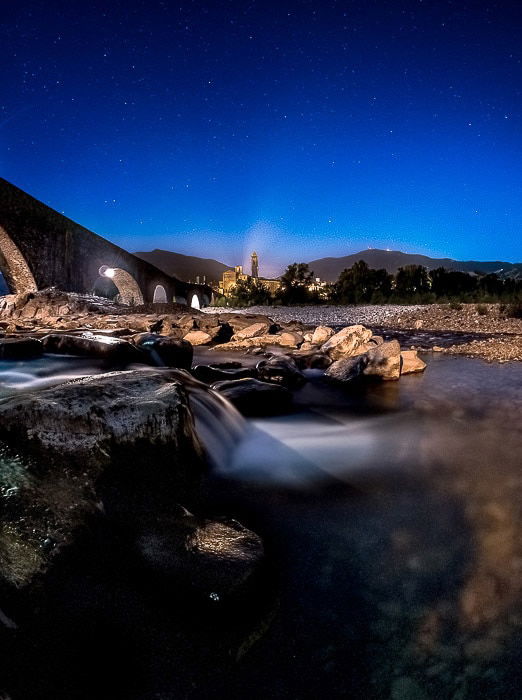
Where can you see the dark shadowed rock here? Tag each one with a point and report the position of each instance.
(20, 348)
(211, 373)
(384, 361)
(254, 398)
(281, 369)
(114, 350)
(311, 359)
(165, 351)
(347, 368)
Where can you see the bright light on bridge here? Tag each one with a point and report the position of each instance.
(110, 272)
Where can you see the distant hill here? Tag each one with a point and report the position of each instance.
(184, 267)
(329, 269)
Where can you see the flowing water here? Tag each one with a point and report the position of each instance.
(392, 515)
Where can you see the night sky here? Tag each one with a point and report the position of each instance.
(301, 129)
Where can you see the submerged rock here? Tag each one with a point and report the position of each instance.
(281, 369)
(213, 557)
(252, 397)
(20, 348)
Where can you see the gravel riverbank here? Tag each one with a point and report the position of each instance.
(493, 336)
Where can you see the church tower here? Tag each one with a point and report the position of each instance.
(255, 265)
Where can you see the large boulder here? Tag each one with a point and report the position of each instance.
(113, 350)
(346, 342)
(254, 398)
(411, 362)
(281, 369)
(20, 348)
(67, 441)
(384, 361)
(90, 421)
(380, 362)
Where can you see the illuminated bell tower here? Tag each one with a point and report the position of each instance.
(255, 264)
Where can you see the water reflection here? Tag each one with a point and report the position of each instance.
(396, 517)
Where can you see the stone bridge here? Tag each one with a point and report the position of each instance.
(40, 248)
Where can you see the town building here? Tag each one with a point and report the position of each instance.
(232, 276)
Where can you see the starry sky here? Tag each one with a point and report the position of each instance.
(301, 129)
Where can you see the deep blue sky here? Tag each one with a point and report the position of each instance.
(302, 129)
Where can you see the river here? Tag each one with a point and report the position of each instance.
(392, 518)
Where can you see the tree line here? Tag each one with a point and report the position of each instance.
(360, 284)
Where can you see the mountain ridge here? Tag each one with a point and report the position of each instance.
(329, 268)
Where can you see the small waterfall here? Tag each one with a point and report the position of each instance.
(219, 425)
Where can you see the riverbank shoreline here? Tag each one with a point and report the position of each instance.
(479, 330)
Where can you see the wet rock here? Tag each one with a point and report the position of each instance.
(20, 348)
(211, 373)
(411, 362)
(215, 558)
(69, 439)
(252, 397)
(321, 335)
(347, 368)
(384, 361)
(165, 351)
(311, 358)
(346, 341)
(256, 329)
(198, 338)
(281, 369)
(114, 350)
(91, 420)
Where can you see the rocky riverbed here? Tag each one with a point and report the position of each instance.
(115, 424)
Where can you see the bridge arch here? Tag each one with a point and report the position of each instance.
(14, 267)
(160, 295)
(194, 300)
(129, 291)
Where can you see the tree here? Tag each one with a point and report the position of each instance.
(294, 284)
(250, 292)
(360, 284)
(411, 280)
